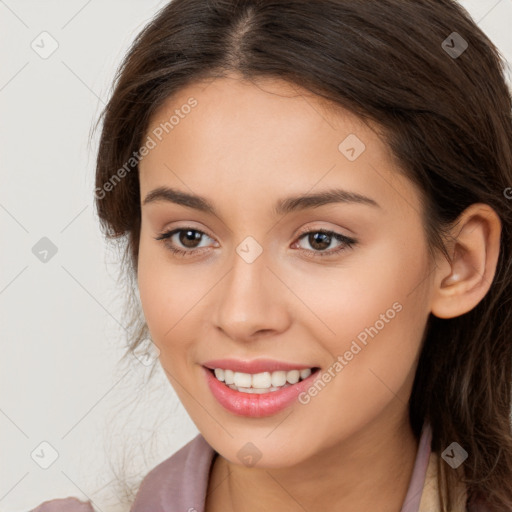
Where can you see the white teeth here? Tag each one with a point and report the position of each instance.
(304, 374)
(256, 391)
(242, 380)
(278, 378)
(293, 376)
(228, 376)
(260, 382)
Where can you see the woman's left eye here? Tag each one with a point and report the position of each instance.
(319, 238)
(323, 238)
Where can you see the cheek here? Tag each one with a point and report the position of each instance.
(171, 296)
(151, 289)
(159, 292)
(373, 317)
(373, 372)
(367, 290)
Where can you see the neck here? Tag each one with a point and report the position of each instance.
(369, 471)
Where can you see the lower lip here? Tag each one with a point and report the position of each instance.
(253, 405)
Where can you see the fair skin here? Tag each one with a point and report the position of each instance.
(243, 148)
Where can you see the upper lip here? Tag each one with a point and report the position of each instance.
(255, 366)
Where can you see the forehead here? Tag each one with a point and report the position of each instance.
(266, 135)
(263, 104)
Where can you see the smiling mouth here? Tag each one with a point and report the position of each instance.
(260, 383)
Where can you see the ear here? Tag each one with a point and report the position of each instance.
(460, 284)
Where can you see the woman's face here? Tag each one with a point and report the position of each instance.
(252, 286)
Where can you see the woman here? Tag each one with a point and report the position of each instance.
(315, 201)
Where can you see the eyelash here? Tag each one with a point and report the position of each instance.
(347, 242)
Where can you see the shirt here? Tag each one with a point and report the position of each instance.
(180, 483)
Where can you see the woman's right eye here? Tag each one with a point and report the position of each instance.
(188, 236)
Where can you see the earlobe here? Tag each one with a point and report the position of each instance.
(461, 283)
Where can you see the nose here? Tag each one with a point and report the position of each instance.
(252, 301)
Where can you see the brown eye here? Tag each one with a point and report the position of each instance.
(320, 239)
(188, 238)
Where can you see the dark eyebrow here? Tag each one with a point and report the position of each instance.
(302, 202)
(282, 207)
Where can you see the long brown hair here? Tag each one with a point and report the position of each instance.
(445, 111)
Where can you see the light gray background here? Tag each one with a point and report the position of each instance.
(61, 327)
